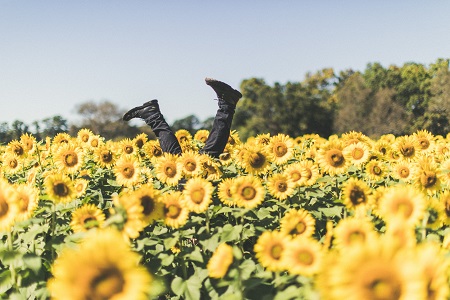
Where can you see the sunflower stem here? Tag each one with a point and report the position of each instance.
(11, 267)
(52, 230)
(424, 226)
(207, 221)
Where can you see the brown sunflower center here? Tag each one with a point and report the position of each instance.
(13, 163)
(428, 179)
(107, 284)
(85, 138)
(148, 203)
(128, 149)
(281, 186)
(407, 150)
(198, 195)
(276, 251)
(424, 143)
(280, 149)
(139, 143)
(296, 176)
(256, 160)
(157, 151)
(248, 193)
(170, 171)
(335, 158)
(356, 236)
(60, 189)
(384, 288)
(299, 228)
(173, 211)
(4, 208)
(190, 166)
(18, 150)
(89, 222)
(305, 257)
(70, 159)
(128, 171)
(23, 203)
(357, 196)
(403, 172)
(106, 156)
(357, 153)
(308, 173)
(94, 143)
(376, 170)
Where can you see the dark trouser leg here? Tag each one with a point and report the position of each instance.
(218, 137)
(167, 139)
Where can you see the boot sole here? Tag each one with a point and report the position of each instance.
(129, 114)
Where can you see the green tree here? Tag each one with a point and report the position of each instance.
(190, 123)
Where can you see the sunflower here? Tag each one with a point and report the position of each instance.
(298, 223)
(399, 235)
(149, 198)
(428, 176)
(280, 186)
(310, 172)
(220, 261)
(295, 173)
(175, 213)
(331, 159)
(248, 191)
(403, 171)
(84, 135)
(375, 170)
(356, 194)
(129, 213)
(356, 153)
(436, 214)
(262, 139)
(224, 191)
(183, 136)
(86, 217)
(29, 143)
(59, 188)
(430, 259)
(424, 140)
(95, 141)
(8, 207)
(442, 149)
(270, 249)
(127, 147)
(61, 138)
(226, 157)
(402, 202)
(127, 171)
(406, 146)
(80, 185)
(69, 158)
(369, 271)
(233, 139)
(280, 148)
(104, 156)
(106, 268)
(152, 149)
(255, 160)
(353, 231)
(11, 164)
(168, 169)
(26, 197)
(17, 149)
(444, 198)
(211, 170)
(303, 256)
(201, 135)
(383, 147)
(191, 163)
(140, 140)
(353, 137)
(445, 172)
(197, 194)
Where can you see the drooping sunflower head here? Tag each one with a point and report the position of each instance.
(150, 199)
(197, 194)
(280, 148)
(87, 217)
(331, 159)
(128, 211)
(428, 175)
(444, 198)
(59, 188)
(106, 268)
(140, 140)
(262, 139)
(168, 169)
(248, 191)
(280, 186)
(406, 146)
(17, 149)
(69, 158)
(356, 194)
(233, 139)
(127, 171)
(29, 143)
(270, 248)
(220, 261)
(298, 223)
(436, 214)
(175, 213)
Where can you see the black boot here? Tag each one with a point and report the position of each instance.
(224, 91)
(143, 111)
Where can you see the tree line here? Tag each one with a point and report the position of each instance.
(376, 101)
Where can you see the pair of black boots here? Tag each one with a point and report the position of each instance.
(148, 109)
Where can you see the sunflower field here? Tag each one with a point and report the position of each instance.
(275, 217)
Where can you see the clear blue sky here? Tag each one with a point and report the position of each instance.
(56, 54)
